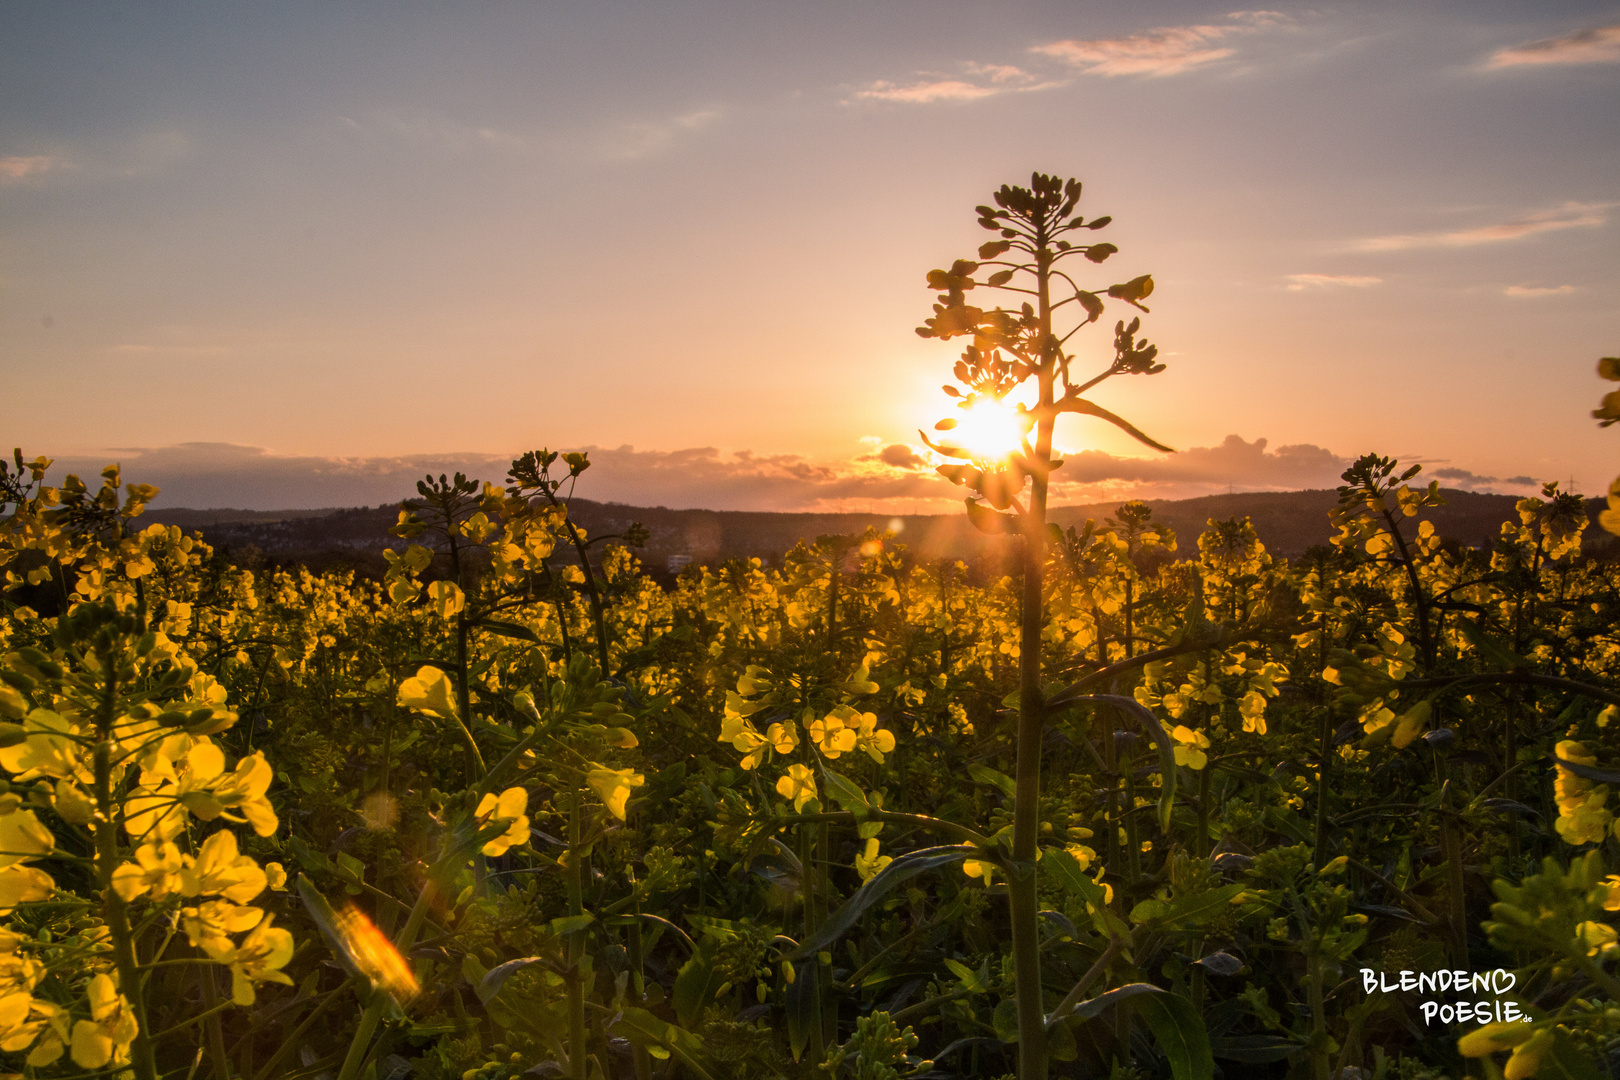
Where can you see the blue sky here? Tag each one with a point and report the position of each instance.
(294, 254)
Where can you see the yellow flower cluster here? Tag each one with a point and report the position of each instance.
(1583, 817)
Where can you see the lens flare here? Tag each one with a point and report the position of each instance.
(373, 955)
(991, 429)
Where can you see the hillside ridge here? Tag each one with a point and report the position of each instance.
(1287, 522)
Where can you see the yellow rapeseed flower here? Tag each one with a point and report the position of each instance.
(613, 786)
(511, 805)
(799, 785)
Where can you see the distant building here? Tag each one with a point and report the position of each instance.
(677, 563)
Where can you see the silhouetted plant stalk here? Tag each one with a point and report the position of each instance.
(1009, 349)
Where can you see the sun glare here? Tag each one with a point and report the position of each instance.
(374, 955)
(990, 429)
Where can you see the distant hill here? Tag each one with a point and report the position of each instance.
(1287, 522)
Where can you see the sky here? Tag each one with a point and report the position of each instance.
(297, 254)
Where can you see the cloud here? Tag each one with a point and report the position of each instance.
(902, 456)
(428, 131)
(921, 93)
(1166, 50)
(1537, 290)
(1597, 45)
(974, 82)
(632, 140)
(1463, 478)
(226, 475)
(24, 168)
(127, 156)
(1571, 215)
(897, 479)
(1300, 282)
(1235, 462)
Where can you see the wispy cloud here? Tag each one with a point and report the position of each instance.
(1537, 290)
(631, 140)
(1301, 282)
(25, 168)
(430, 131)
(975, 81)
(1571, 215)
(1596, 45)
(1166, 50)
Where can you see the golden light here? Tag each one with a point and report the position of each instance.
(990, 429)
(374, 955)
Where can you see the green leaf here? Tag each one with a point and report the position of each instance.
(325, 919)
(1161, 740)
(1490, 647)
(490, 984)
(1098, 252)
(310, 859)
(1000, 277)
(1567, 1061)
(564, 925)
(647, 1031)
(902, 869)
(695, 985)
(1005, 1020)
(1093, 1008)
(350, 869)
(1185, 912)
(1220, 963)
(970, 979)
(1081, 405)
(1065, 870)
(800, 1005)
(984, 774)
(1181, 1035)
(846, 793)
(510, 629)
(1060, 1043)
(1255, 1049)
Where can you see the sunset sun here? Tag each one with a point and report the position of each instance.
(991, 429)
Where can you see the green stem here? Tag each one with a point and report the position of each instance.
(1324, 757)
(210, 1018)
(807, 883)
(1022, 901)
(1456, 902)
(1321, 1054)
(360, 1046)
(115, 910)
(1204, 795)
(576, 947)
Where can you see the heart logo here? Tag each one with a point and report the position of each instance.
(1496, 979)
